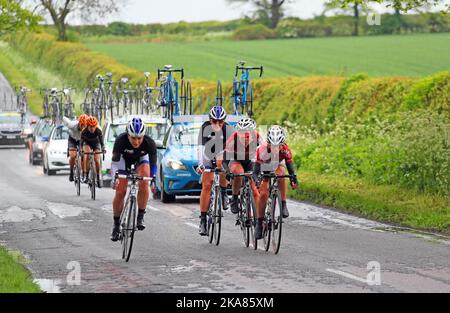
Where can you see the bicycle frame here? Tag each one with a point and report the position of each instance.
(241, 87)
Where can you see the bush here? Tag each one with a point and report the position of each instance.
(253, 32)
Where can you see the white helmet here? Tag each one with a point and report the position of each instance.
(276, 135)
(136, 127)
(246, 125)
(218, 113)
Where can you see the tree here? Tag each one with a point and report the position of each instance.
(354, 6)
(269, 9)
(14, 17)
(402, 5)
(60, 10)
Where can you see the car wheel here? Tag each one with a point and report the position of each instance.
(44, 169)
(165, 197)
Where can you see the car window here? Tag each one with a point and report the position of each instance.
(10, 119)
(156, 131)
(60, 134)
(115, 131)
(45, 130)
(184, 135)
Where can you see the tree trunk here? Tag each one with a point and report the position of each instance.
(356, 16)
(62, 27)
(275, 14)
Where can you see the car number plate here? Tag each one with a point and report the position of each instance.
(10, 137)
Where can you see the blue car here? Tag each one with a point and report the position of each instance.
(178, 159)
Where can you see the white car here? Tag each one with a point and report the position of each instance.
(156, 129)
(55, 151)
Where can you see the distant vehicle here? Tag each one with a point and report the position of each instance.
(178, 158)
(55, 151)
(36, 143)
(156, 129)
(13, 129)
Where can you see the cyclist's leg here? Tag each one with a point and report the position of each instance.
(205, 196)
(236, 168)
(86, 149)
(72, 147)
(97, 149)
(282, 186)
(121, 190)
(143, 169)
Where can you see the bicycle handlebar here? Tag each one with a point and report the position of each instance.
(249, 68)
(133, 177)
(160, 71)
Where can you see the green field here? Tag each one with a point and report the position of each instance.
(408, 55)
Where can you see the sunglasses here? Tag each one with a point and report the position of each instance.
(217, 121)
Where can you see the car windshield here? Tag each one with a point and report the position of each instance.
(10, 119)
(61, 134)
(184, 135)
(155, 131)
(45, 130)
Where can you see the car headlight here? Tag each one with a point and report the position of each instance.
(176, 165)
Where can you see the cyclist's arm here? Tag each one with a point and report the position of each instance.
(290, 166)
(100, 137)
(115, 160)
(152, 157)
(69, 123)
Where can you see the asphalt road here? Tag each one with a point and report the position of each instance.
(322, 250)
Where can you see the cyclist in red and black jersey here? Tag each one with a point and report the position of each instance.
(240, 153)
(269, 159)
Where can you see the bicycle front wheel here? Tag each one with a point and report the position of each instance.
(217, 213)
(267, 225)
(128, 230)
(252, 220)
(78, 177)
(276, 222)
(93, 177)
(243, 221)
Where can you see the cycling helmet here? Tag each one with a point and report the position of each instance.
(82, 120)
(92, 121)
(218, 113)
(246, 125)
(136, 128)
(276, 135)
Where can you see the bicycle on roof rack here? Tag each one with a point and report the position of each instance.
(69, 106)
(242, 89)
(169, 90)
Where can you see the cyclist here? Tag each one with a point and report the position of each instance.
(269, 159)
(212, 138)
(240, 152)
(75, 129)
(132, 148)
(92, 141)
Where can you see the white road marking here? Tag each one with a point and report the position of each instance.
(347, 275)
(191, 225)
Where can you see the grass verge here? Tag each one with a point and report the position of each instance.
(14, 278)
(388, 204)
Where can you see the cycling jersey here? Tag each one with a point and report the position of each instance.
(94, 140)
(235, 150)
(124, 154)
(212, 143)
(264, 155)
(73, 127)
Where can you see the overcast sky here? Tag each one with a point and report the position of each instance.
(167, 11)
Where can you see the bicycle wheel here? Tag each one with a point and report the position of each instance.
(189, 99)
(219, 98)
(249, 100)
(128, 230)
(277, 222)
(252, 217)
(217, 214)
(183, 98)
(78, 176)
(210, 218)
(267, 225)
(93, 177)
(243, 220)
